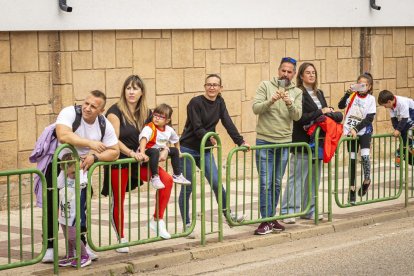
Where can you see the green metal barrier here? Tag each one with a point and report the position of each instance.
(138, 205)
(245, 180)
(409, 167)
(203, 151)
(54, 205)
(386, 178)
(22, 221)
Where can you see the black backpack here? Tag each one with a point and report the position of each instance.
(76, 123)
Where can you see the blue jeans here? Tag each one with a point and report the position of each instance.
(271, 166)
(298, 183)
(210, 171)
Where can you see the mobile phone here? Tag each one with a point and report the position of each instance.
(282, 83)
(359, 87)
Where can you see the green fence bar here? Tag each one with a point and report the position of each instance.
(203, 151)
(23, 222)
(138, 207)
(246, 172)
(386, 178)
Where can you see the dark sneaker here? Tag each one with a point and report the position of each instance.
(364, 189)
(263, 229)
(352, 197)
(67, 261)
(277, 227)
(85, 261)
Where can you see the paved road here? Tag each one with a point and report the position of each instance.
(380, 249)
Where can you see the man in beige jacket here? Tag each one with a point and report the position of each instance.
(278, 103)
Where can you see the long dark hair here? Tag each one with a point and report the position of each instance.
(299, 80)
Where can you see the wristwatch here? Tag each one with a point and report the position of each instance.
(95, 158)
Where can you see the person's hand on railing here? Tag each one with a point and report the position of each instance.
(245, 144)
(353, 133)
(86, 161)
(139, 156)
(213, 141)
(396, 133)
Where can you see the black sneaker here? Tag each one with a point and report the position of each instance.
(263, 229)
(277, 227)
(364, 189)
(352, 197)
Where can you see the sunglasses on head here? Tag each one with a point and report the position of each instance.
(289, 59)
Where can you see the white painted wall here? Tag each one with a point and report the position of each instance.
(19, 15)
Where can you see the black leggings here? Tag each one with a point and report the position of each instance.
(154, 155)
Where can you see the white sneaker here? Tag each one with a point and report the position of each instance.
(156, 182)
(91, 254)
(289, 220)
(312, 217)
(159, 228)
(192, 235)
(180, 179)
(123, 249)
(237, 218)
(48, 258)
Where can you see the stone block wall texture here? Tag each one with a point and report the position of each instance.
(41, 72)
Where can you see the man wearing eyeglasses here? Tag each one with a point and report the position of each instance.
(278, 103)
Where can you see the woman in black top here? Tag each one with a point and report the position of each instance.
(203, 114)
(313, 106)
(128, 116)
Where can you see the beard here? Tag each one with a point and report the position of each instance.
(283, 82)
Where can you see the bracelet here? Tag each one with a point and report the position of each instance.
(95, 158)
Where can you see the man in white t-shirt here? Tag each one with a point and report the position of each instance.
(87, 137)
(92, 146)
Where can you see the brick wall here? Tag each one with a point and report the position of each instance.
(41, 72)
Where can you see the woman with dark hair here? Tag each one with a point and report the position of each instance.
(128, 116)
(203, 114)
(360, 112)
(313, 105)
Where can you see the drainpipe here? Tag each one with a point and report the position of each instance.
(64, 7)
(373, 5)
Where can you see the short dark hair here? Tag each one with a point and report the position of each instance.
(384, 96)
(213, 76)
(99, 94)
(67, 157)
(164, 109)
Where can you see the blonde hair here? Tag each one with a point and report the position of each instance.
(140, 114)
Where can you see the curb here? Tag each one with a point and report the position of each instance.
(231, 246)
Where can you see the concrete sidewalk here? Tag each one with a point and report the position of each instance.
(181, 250)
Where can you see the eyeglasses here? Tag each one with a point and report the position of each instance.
(288, 59)
(214, 85)
(159, 116)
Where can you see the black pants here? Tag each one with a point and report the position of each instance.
(154, 155)
(50, 218)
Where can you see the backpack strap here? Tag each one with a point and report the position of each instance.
(102, 125)
(78, 118)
